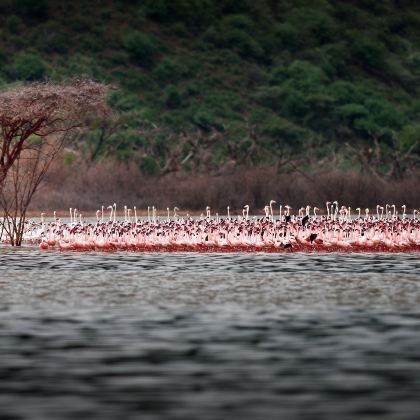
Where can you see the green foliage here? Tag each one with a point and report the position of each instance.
(141, 47)
(69, 157)
(180, 29)
(170, 69)
(300, 75)
(283, 132)
(256, 77)
(286, 36)
(32, 8)
(121, 101)
(13, 23)
(237, 40)
(80, 23)
(34, 141)
(82, 65)
(334, 59)
(196, 14)
(172, 97)
(53, 39)
(28, 66)
(414, 62)
(239, 21)
(3, 59)
(368, 52)
(149, 166)
(315, 26)
(270, 97)
(352, 112)
(206, 120)
(408, 140)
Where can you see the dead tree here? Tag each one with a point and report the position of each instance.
(35, 123)
(22, 181)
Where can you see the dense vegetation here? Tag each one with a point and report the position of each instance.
(218, 84)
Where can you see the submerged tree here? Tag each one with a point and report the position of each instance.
(22, 181)
(35, 122)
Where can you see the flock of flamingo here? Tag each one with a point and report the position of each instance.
(337, 230)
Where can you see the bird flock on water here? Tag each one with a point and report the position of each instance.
(278, 230)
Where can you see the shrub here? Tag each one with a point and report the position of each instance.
(369, 52)
(271, 97)
(196, 14)
(205, 120)
(350, 112)
(140, 46)
(176, 120)
(302, 75)
(69, 157)
(172, 97)
(124, 101)
(224, 105)
(295, 103)
(242, 22)
(408, 139)
(80, 24)
(149, 166)
(315, 27)
(53, 39)
(384, 113)
(28, 66)
(180, 29)
(82, 65)
(235, 6)
(333, 59)
(347, 92)
(397, 44)
(414, 62)
(133, 78)
(306, 75)
(351, 15)
(169, 69)
(13, 24)
(3, 59)
(32, 8)
(375, 117)
(119, 57)
(283, 131)
(285, 35)
(239, 41)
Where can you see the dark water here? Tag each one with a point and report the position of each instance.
(210, 336)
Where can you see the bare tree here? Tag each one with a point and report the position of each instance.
(22, 181)
(35, 123)
(44, 109)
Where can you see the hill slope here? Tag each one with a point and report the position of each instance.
(213, 85)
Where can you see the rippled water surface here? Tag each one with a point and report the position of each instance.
(209, 336)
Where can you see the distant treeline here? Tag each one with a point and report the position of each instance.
(89, 187)
(210, 85)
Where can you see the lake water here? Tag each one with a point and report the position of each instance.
(209, 336)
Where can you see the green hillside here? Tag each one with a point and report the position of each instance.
(206, 85)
